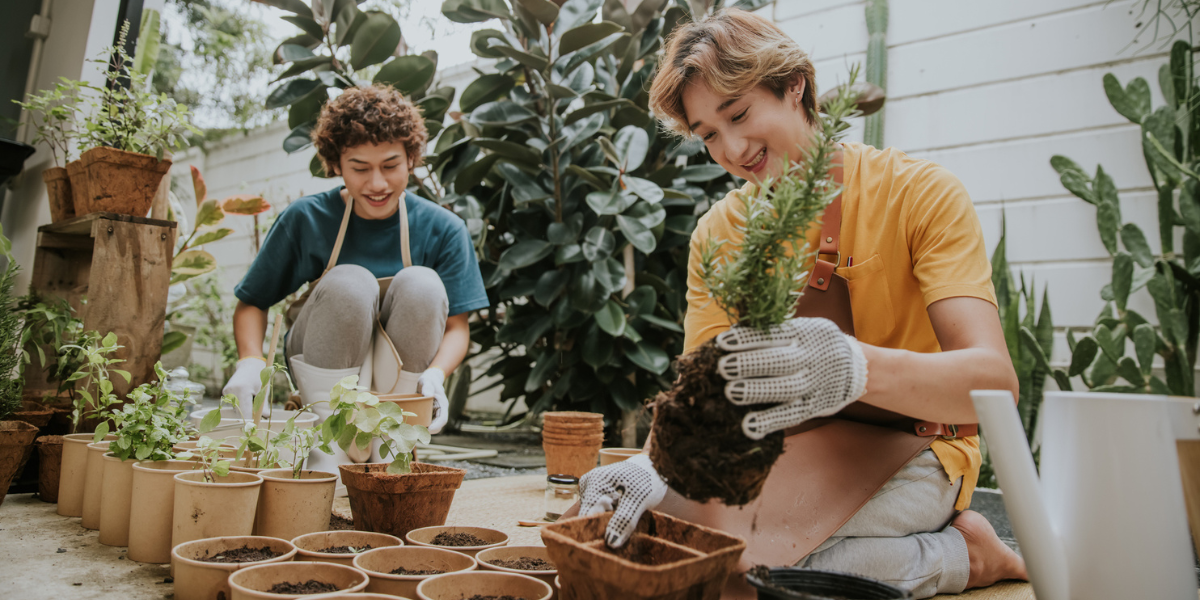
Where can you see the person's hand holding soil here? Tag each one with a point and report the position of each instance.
(805, 365)
(628, 488)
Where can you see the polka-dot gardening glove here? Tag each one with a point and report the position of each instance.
(628, 488)
(806, 365)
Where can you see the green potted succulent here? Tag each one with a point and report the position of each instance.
(53, 113)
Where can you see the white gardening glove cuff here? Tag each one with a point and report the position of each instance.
(433, 383)
(628, 488)
(245, 382)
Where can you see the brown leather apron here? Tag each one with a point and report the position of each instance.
(829, 467)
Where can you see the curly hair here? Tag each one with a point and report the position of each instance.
(374, 114)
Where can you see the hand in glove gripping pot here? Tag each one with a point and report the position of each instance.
(628, 488)
(806, 365)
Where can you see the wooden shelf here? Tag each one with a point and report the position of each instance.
(83, 225)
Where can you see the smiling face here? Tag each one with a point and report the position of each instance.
(376, 176)
(749, 135)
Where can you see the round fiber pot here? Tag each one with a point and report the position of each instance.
(122, 182)
(197, 579)
(79, 187)
(72, 474)
(16, 439)
(50, 448)
(398, 504)
(415, 403)
(455, 586)
(58, 191)
(487, 559)
(571, 416)
(211, 509)
(792, 583)
(573, 440)
(570, 460)
(292, 507)
(310, 546)
(256, 582)
(425, 535)
(379, 563)
(352, 596)
(114, 501)
(94, 484)
(34, 413)
(609, 456)
(153, 501)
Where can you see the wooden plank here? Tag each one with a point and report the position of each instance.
(83, 225)
(835, 32)
(914, 20)
(63, 242)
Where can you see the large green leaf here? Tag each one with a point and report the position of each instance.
(347, 22)
(1135, 242)
(481, 43)
(529, 59)
(649, 215)
(210, 236)
(649, 357)
(611, 319)
(209, 213)
(1073, 177)
(544, 10)
(631, 143)
(192, 263)
(407, 73)
(637, 234)
(299, 138)
(375, 40)
(550, 285)
(567, 231)
(503, 112)
(597, 347)
(610, 202)
(585, 35)
(291, 91)
(474, 173)
(702, 173)
(525, 253)
(294, 52)
(598, 244)
(1133, 101)
(1083, 355)
(295, 6)
(644, 189)
(574, 13)
(475, 11)
(596, 107)
(486, 88)
(511, 150)
(609, 273)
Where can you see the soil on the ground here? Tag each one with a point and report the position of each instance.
(699, 446)
(339, 523)
(345, 549)
(403, 571)
(312, 586)
(457, 539)
(524, 563)
(241, 555)
(478, 597)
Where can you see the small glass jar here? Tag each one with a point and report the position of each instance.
(561, 493)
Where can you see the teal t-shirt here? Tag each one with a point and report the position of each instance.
(298, 246)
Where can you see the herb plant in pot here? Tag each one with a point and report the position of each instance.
(82, 476)
(212, 501)
(53, 112)
(202, 567)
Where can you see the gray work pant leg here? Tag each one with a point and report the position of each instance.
(413, 314)
(333, 330)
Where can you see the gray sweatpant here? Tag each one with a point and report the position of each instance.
(902, 535)
(334, 329)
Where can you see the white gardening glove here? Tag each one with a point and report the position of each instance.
(807, 365)
(628, 488)
(433, 383)
(245, 383)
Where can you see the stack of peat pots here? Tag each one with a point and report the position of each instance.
(572, 442)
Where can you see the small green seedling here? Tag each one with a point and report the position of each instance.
(359, 417)
(151, 422)
(93, 376)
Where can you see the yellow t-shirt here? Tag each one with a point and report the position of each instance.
(911, 237)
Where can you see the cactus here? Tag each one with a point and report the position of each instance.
(877, 24)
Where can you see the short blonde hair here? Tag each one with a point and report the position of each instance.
(731, 51)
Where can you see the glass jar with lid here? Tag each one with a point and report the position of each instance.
(562, 491)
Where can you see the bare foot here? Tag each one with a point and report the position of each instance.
(991, 560)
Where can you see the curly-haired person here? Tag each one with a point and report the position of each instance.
(392, 276)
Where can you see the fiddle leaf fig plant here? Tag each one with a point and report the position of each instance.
(360, 417)
(151, 422)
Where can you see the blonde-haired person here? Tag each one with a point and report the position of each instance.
(924, 313)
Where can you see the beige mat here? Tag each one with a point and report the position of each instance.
(500, 502)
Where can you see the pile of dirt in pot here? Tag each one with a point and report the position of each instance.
(345, 549)
(403, 571)
(478, 597)
(241, 555)
(458, 540)
(312, 586)
(699, 446)
(523, 563)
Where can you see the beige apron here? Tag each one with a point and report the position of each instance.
(381, 371)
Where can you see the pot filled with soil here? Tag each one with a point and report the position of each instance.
(292, 507)
(295, 579)
(77, 176)
(340, 547)
(34, 413)
(221, 507)
(483, 585)
(415, 403)
(468, 540)
(58, 192)
(16, 444)
(525, 560)
(667, 558)
(72, 476)
(93, 486)
(122, 182)
(114, 501)
(398, 504)
(153, 501)
(49, 449)
(793, 583)
(398, 570)
(351, 596)
(202, 567)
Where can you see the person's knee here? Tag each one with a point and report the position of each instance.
(419, 291)
(349, 287)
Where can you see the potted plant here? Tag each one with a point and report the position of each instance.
(467, 540)
(525, 560)
(398, 570)
(470, 584)
(53, 113)
(212, 501)
(202, 567)
(394, 497)
(15, 436)
(340, 547)
(153, 501)
(294, 579)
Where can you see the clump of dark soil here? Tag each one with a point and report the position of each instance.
(403, 571)
(699, 447)
(312, 586)
(244, 554)
(645, 550)
(457, 540)
(524, 563)
(478, 597)
(339, 523)
(344, 549)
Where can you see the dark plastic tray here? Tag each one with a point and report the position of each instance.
(794, 583)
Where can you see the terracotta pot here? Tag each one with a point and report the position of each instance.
(115, 499)
(416, 403)
(454, 586)
(73, 474)
(425, 535)
(485, 558)
(379, 563)
(200, 580)
(50, 448)
(34, 413)
(122, 182)
(570, 460)
(254, 582)
(309, 545)
(220, 508)
(58, 191)
(93, 486)
(16, 443)
(609, 456)
(398, 504)
(685, 560)
(79, 187)
(153, 501)
(292, 507)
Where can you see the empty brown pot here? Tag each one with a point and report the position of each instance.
(570, 460)
(292, 507)
(379, 563)
(122, 182)
(609, 456)
(16, 441)
(153, 501)
(455, 586)
(94, 484)
(253, 583)
(50, 449)
(398, 504)
(415, 403)
(73, 474)
(487, 558)
(114, 501)
(309, 546)
(34, 413)
(79, 187)
(213, 509)
(58, 192)
(425, 535)
(197, 579)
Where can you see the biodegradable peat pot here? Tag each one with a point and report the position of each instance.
(488, 557)
(122, 182)
(292, 507)
(455, 586)
(58, 191)
(354, 596)
(77, 175)
(398, 504)
(793, 583)
(50, 448)
(153, 501)
(34, 413)
(379, 563)
(679, 561)
(425, 535)
(197, 579)
(415, 403)
(309, 546)
(223, 507)
(115, 499)
(254, 582)
(16, 439)
(609, 456)
(570, 460)
(73, 474)
(93, 486)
